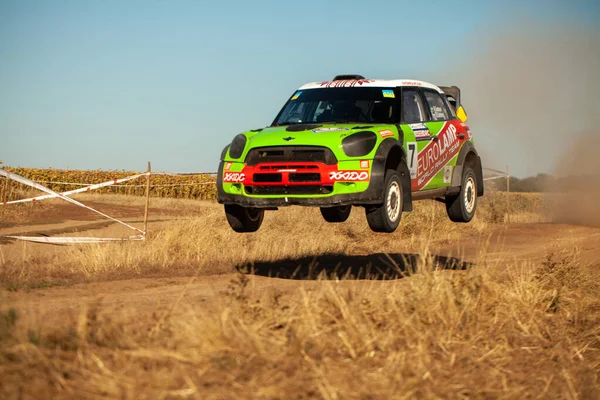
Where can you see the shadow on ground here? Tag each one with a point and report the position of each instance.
(379, 266)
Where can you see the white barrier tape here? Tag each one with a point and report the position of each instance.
(184, 173)
(70, 192)
(66, 183)
(494, 177)
(503, 173)
(170, 185)
(28, 182)
(70, 240)
(151, 185)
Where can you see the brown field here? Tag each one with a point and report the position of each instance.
(301, 309)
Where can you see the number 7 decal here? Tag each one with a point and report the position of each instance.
(412, 159)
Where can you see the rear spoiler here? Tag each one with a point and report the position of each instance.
(454, 93)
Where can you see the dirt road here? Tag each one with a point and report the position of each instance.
(533, 242)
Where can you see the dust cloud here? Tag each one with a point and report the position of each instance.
(530, 90)
(574, 195)
(532, 95)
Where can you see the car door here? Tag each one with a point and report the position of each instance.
(437, 158)
(416, 133)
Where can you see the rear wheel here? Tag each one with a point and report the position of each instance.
(461, 207)
(386, 217)
(244, 219)
(336, 214)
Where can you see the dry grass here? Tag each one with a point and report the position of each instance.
(528, 332)
(508, 329)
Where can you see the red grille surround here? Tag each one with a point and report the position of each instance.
(288, 174)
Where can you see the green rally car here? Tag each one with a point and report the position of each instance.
(377, 144)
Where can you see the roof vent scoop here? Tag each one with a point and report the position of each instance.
(348, 77)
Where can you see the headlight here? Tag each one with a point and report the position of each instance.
(237, 146)
(359, 144)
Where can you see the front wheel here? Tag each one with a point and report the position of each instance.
(461, 207)
(244, 219)
(386, 217)
(336, 214)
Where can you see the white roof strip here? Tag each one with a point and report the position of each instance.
(370, 83)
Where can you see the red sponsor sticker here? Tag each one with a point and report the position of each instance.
(412, 83)
(234, 177)
(345, 83)
(436, 155)
(364, 163)
(386, 133)
(349, 176)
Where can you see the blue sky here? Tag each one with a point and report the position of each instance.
(113, 84)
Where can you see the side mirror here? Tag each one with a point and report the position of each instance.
(461, 114)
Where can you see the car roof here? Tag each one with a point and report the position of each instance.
(391, 83)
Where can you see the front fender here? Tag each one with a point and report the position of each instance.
(390, 155)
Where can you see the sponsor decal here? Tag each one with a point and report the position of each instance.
(349, 176)
(234, 177)
(286, 170)
(436, 155)
(322, 130)
(346, 83)
(388, 93)
(296, 95)
(386, 133)
(447, 174)
(227, 166)
(421, 131)
(413, 154)
(287, 139)
(364, 163)
(412, 83)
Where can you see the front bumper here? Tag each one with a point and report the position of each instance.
(297, 183)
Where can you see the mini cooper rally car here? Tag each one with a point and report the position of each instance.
(377, 144)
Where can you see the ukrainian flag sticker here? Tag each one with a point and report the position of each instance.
(389, 94)
(294, 97)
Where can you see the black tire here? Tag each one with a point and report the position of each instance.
(244, 219)
(461, 207)
(336, 214)
(386, 217)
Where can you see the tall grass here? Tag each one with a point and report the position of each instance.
(508, 329)
(203, 242)
(529, 331)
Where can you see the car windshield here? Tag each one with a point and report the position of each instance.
(339, 105)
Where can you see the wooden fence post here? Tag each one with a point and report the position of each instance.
(507, 195)
(147, 200)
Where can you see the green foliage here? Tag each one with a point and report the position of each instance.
(8, 320)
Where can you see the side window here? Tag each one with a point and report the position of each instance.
(451, 101)
(437, 106)
(412, 107)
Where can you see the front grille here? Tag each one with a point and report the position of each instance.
(283, 190)
(283, 154)
(311, 177)
(266, 178)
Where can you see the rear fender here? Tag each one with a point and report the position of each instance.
(467, 153)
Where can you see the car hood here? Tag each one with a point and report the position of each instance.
(329, 135)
